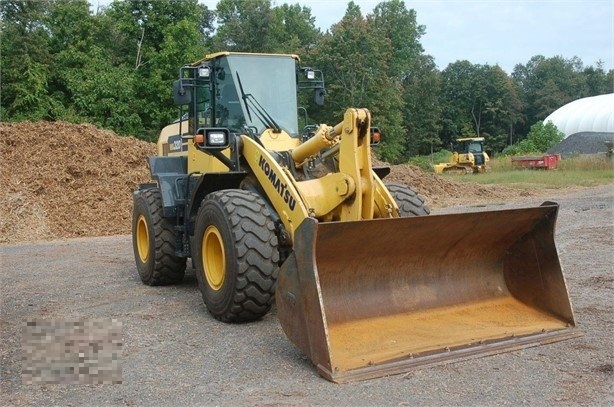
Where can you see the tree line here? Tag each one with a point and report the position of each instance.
(113, 67)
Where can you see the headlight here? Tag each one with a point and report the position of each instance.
(216, 138)
(204, 72)
(310, 73)
(212, 138)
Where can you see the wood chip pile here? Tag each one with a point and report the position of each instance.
(443, 191)
(62, 180)
(67, 180)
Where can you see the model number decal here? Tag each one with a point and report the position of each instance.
(175, 143)
(280, 187)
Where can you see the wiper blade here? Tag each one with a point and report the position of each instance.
(244, 97)
(261, 113)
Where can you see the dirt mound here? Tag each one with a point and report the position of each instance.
(441, 191)
(64, 180)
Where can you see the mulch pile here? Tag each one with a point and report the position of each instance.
(62, 180)
(442, 192)
(67, 180)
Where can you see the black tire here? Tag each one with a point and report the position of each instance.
(410, 203)
(235, 254)
(153, 241)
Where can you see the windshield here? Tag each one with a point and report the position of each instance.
(271, 80)
(469, 147)
(475, 147)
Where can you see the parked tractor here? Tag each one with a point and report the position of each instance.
(468, 157)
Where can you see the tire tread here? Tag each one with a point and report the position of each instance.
(256, 243)
(167, 268)
(410, 203)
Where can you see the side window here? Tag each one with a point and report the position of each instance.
(203, 105)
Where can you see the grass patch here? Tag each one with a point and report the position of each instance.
(426, 162)
(587, 170)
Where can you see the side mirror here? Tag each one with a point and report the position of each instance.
(181, 95)
(376, 136)
(318, 96)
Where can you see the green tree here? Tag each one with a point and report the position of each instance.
(544, 136)
(413, 73)
(73, 43)
(596, 80)
(422, 112)
(25, 56)
(541, 137)
(244, 25)
(104, 95)
(393, 21)
(479, 100)
(257, 26)
(545, 84)
(501, 109)
(355, 80)
(293, 30)
(155, 38)
(458, 98)
(114, 69)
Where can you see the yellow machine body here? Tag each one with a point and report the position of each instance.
(468, 156)
(365, 292)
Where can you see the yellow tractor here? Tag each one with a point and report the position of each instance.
(468, 156)
(363, 281)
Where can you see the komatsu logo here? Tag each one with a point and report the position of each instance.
(280, 187)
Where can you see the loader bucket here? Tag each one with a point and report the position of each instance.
(370, 298)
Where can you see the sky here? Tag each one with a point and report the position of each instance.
(503, 32)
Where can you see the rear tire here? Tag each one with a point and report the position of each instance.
(153, 240)
(235, 254)
(410, 203)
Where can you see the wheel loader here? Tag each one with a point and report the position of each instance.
(468, 157)
(364, 282)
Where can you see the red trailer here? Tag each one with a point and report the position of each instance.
(545, 162)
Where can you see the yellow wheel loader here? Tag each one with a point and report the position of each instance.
(468, 157)
(364, 282)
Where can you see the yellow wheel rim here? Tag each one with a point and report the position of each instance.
(142, 238)
(214, 258)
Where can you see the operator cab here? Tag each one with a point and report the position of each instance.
(243, 93)
(474, 146)
(220, 97)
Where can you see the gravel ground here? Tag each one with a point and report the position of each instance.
(582, 143)
(174, 353)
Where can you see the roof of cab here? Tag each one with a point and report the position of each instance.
(216, 55)
(470, 139)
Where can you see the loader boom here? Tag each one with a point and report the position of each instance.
(348, 194)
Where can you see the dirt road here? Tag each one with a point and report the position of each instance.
(174, 353)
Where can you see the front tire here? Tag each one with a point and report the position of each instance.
(236, 256)
(153, 241)
(410, 203)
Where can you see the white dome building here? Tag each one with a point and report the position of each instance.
(593, 114)
(587, 123)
